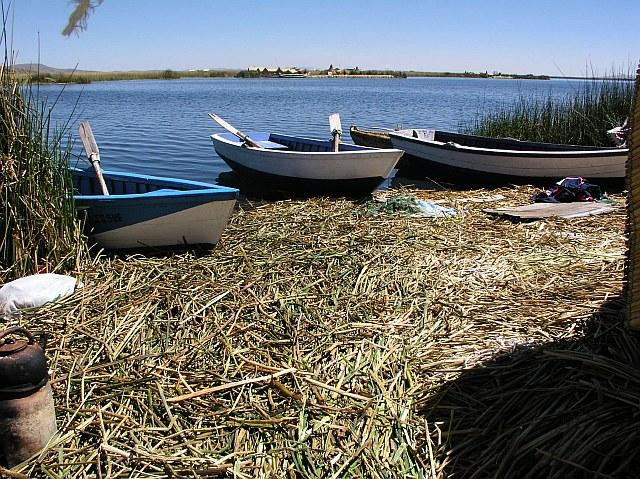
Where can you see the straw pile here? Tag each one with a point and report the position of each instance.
(316, 340)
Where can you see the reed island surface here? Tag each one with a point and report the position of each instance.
(333, 338)
(317, 339)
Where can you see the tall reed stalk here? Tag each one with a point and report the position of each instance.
(580, 118)
(37, 214)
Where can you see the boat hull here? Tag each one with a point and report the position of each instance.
(261, 181)
(353, 170)
(145, 211)
(474, 164)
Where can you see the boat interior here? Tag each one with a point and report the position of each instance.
(275, 141)
(494, 143)
(85, 183)
(293, 143)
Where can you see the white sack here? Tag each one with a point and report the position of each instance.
(34, 290)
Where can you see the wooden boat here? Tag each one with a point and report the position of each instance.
(379, 138)
(306, 166)
(469, 157)
(371, 138)
(143, 211)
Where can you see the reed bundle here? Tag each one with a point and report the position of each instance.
(316, 340)
(633, 216)
(568, 408)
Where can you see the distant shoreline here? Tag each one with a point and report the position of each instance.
(90, 77)
(87, 78)
(594, 78)
(46, 75)
(53, 76)
(43, 74)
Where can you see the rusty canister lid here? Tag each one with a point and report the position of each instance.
(23, 365)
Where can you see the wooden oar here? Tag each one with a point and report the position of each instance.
(235, 131)
(91, 147)
(336, 130)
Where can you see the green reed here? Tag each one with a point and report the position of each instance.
(580, 118)
(37, 213)
(88, 77)
(169, 75)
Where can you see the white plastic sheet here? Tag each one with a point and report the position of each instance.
(427, 209)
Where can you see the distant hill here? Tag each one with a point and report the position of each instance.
(35, 67)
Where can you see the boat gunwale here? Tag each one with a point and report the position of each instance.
(198, 188)
(375, 131)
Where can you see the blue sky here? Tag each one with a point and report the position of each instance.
(561, 37)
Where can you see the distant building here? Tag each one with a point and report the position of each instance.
(271, 71)
(274, 69)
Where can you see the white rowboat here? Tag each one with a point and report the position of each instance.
(467, 156)
(306, 166)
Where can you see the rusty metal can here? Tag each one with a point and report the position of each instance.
(27, 413)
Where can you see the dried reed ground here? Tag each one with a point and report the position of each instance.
(374, 313)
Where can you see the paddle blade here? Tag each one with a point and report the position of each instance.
(230, 128)
(88, 141)
(91, 148)
(225, 125)
(334, 124)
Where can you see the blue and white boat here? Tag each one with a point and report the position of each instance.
(306, 166)
(148, 211)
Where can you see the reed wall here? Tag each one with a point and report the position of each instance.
(633, 218)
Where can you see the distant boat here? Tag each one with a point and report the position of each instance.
(475, 158)
(306, 166)
(149, 211)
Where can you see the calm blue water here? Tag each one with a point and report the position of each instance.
(161, 127)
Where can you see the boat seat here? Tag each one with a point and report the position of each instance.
(271, 145)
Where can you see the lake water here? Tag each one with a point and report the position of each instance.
(161, 127)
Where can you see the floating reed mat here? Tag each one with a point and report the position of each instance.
(310, 342)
